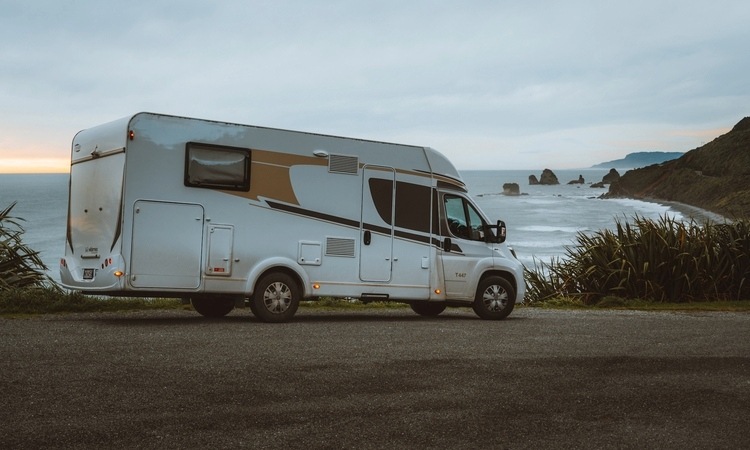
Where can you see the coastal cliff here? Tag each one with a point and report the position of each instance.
(715, 177)
(639, 159)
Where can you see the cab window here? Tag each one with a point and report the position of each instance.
(464, 221)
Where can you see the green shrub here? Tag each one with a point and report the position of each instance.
(661, 260)
(20, 266)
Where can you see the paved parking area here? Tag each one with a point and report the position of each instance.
(376, 379)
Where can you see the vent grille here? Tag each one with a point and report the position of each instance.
(343, 164)
(340, 247)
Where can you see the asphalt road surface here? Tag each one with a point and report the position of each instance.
(376, 379)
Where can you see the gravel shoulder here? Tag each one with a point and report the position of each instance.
(376, 379)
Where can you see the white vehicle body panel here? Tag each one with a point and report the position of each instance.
(346, 217)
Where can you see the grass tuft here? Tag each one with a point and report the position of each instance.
(47, 300)
(331, 303)
(50, 300)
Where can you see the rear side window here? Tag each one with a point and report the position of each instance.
(217, 167)
(412, 203)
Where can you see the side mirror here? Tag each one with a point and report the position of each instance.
(502, 231)
(447, 244)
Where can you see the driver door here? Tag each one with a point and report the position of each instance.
(465, 229)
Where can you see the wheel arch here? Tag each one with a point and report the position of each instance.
(279, 265)
(503, 274)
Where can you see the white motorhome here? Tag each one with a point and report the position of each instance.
(222, 213)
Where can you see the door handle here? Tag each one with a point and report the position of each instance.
(447, 244)
(367, 237)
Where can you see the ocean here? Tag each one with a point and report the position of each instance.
(42, 201)
(541, 222)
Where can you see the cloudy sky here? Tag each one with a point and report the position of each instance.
(491, 84)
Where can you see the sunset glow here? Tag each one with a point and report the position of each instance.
(36, 165)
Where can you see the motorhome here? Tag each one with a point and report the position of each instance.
(223, 214)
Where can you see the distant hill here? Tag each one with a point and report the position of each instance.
(713, 177)
(639, 159)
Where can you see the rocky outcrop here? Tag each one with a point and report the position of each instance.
(611, 177)
(548, 177)
(511, 189)
(533, 181)
(580, 180)
(598, 185)
(713, 177)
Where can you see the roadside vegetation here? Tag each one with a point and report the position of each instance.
(649, 265)
(655, 261)
(48, 300)
(20, 266)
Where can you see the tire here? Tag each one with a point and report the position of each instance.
(495, 298)
(212, 306)
(276, 298)
(426, 308)
(251, 305)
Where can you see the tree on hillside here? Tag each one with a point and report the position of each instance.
(20, 266)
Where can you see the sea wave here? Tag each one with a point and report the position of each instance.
(552, 228)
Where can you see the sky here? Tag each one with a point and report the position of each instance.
(490, 84)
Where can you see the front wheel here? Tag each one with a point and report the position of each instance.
(212, 307)
(426, 308)
(495, 298)
(276, 298)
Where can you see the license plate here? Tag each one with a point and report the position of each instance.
(88, 274)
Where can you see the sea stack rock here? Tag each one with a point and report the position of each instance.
(511, 189)
(533, 180)
(611, 177)
(548, 177)
(580, 180)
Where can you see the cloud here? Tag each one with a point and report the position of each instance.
(504, 77)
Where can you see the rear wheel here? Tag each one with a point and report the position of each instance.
(425, 308)
(212, 306)
(495, 298)
(251, 305)
(276, 298)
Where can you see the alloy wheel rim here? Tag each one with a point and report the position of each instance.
(277, 297)
(495, 298)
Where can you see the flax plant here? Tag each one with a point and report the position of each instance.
(663, 260)
(20, 266)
